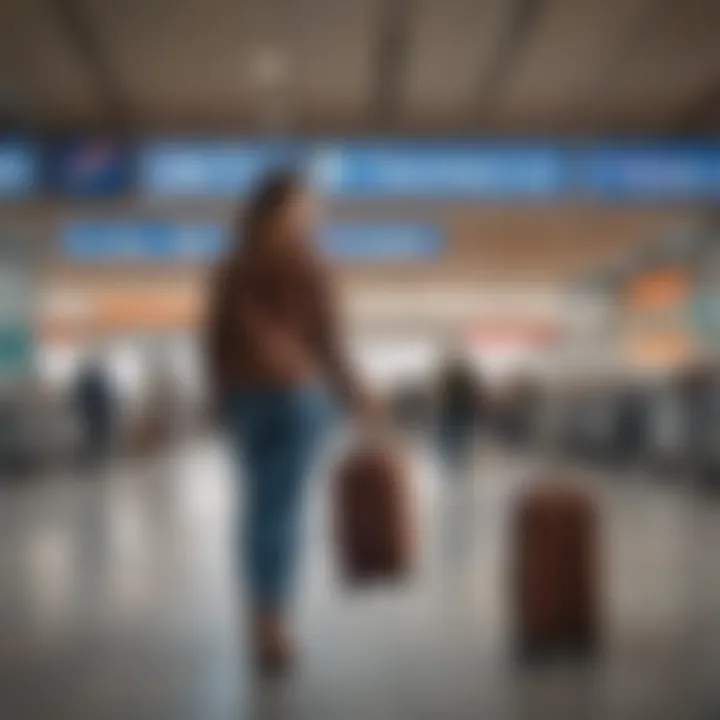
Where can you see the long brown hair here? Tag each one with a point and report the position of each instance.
(268, 199)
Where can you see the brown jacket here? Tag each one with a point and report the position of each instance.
(272, 323)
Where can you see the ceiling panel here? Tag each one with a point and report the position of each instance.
(588, 66)
(675, 65)
(203, 61)
(618, 65)
(180, 59)
(565, 56)
(451, 44)
(333, 48)
(42, 77)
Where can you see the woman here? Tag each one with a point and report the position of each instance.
(96, 405)
(274, 355)
(458, 400)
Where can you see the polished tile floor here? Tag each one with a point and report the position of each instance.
(118, 600)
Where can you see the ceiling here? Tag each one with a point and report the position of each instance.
(581, 67)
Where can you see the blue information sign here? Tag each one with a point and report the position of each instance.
(209, 168)
(661, 171)
(477, 171)
(89, 168)
(465, 170)
(440, 170)
(143, 241)
(359, 169)
(386, 242)
(19, 168)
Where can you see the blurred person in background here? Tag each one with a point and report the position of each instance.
(275, 362)
(632, 423)
(459, 399)
(96, 408)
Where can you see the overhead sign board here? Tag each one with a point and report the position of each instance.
(104, 241)
(19, 169)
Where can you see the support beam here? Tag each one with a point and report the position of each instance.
(83, 38)
(522, 19)
(391, 58)
(648, 15)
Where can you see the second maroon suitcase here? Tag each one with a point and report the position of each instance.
(556, 589)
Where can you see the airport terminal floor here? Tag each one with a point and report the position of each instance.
(118, 600)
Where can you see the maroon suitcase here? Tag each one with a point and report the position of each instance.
(373, 515)
(556, 572)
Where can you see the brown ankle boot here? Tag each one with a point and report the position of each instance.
(271, 644)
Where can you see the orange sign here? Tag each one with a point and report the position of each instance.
(658, 290)
(128, 309)
(147, 309)
(660, 349)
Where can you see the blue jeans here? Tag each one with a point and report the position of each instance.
(275, 432)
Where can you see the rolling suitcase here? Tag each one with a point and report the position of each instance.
(373, 516)
(556, 573)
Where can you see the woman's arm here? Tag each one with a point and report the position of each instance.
(331, 344)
